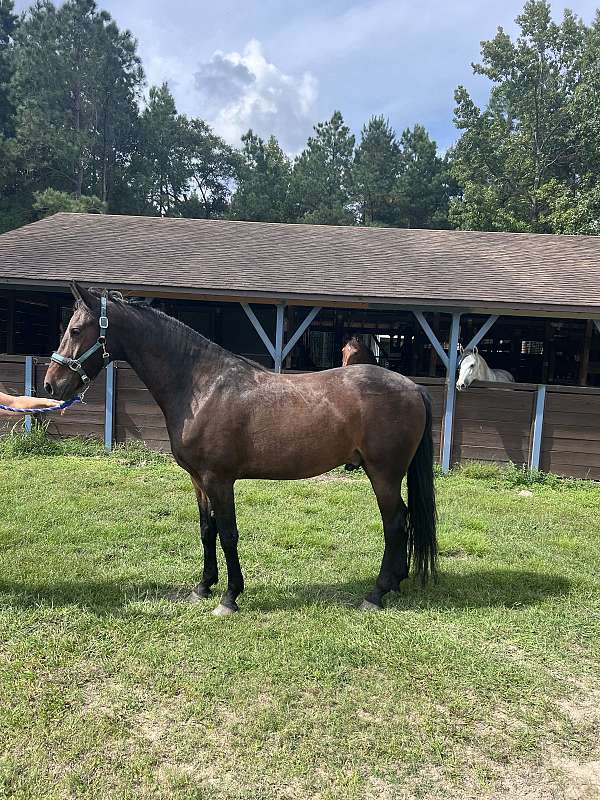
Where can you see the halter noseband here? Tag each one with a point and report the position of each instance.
(76, 364)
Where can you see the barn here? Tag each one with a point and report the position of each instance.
(290, 295)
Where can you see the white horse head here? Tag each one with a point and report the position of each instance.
(472, 367)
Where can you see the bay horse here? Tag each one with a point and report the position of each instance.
(229, 418)
(356, 352)
(473, 367)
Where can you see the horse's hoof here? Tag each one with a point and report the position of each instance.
(223, 611)
(367, 605)
(193, 597)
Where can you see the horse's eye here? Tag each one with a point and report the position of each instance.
(75, 331)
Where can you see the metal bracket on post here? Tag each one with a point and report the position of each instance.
(28, 388)
(109, 406)
(450, 393)
(538, 424)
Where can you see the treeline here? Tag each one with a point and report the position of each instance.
(77, 132)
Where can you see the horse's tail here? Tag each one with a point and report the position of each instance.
(422, 514)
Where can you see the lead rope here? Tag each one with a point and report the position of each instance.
(60, 407)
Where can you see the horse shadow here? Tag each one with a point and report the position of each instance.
(499, 588)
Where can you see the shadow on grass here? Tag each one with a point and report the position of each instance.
(476, 589)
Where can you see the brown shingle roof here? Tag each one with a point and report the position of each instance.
(474, 270)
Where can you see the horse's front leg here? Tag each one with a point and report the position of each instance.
(208, 536)
(222, 501)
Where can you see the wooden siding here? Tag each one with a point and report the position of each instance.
(493, 424)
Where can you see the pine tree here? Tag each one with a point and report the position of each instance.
(321, 185)
(263, 179)
(424, 185)
(375, 172)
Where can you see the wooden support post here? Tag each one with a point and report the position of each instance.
(538, 424)
(584, 364)
(278, 352)
(28, 388)
(109, 406)
(450, 394)
(278, 356)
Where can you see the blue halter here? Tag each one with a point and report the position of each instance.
(76, 364)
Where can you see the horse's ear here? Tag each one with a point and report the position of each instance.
(475, 351)
(75, 291)
(461, 349)
(83, 295)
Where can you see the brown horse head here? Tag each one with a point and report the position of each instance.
(355, 352)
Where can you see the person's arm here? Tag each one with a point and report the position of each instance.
(25, 402)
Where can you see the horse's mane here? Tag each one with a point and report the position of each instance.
(144, 307)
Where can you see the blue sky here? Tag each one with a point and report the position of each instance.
(280, 66)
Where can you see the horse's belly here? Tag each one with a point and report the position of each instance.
(297, 453)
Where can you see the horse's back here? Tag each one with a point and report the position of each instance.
(503, 376)
(364, 376)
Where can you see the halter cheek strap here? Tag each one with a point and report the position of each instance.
(76, 364)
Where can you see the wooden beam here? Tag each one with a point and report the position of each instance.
(482, 332)
(279, 324)
(433, 353)
(450, 394)
(538, 424)
(259, 329)
(432, 337)
(300, 330)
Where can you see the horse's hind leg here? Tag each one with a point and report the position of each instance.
(208, 535)
(394, 565)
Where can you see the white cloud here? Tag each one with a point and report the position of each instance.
(244, 90)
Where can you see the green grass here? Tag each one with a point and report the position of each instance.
(483, 685)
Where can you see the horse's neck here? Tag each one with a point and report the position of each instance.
(163, 356)
(484, 373)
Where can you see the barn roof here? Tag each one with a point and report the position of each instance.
(476, 271)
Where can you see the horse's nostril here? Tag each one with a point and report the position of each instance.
(48, 388)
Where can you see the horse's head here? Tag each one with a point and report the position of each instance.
(468, 368)
(356, 352)
(85, 347)
(350, 350)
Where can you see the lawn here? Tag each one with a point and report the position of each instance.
(485, 685)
